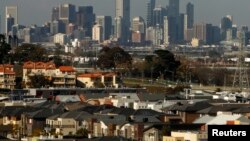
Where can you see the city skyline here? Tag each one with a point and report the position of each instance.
(203, 12)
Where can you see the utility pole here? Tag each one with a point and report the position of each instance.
(240, 76)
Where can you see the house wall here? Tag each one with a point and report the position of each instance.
(87, 81)
(191, 136)
(169, 138)
(152, 135)
(67, 126)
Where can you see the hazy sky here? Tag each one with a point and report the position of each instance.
(210, 11)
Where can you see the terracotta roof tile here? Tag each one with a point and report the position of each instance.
(66, 69)
(90, 75)
(6, 71)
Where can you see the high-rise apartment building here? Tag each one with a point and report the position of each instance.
(158, 14)
(226, 24)
(138, 24)
(122, 9)
(85, 18)
(118, 28)
(150, 8)
(55, 14)
(204, 32)
(67, 13)
(10, 21)
(12, 11)
(174, 8)
(190, 15)
(97, 33)
(165, 31)
(106, 23)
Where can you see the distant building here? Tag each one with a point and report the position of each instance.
(190, 15)
(70, 28)
(10, 21)
(174, 8)
(122, 9)
(85, 18)
(138, 37)
(165, 31)
(55, 14)
(158, 14)
(118, 29)
(67, 13)
(138, 24)
(60, 38)
(7, 76)
(64, 76)
(226, 24)
(203, 32)
(12, 11)
(97, 33)
(106, 78)
(150, 8)
(106, 23)
(57, 26)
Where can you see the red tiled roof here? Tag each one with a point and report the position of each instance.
(109, 74)
(90, 75)
(6, 65)
(39, 65)
(6, 71)
(66, 69)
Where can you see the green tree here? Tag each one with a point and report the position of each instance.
(82, 132)
(4, 50)
(163, 64)
(30, 52)
(39, 81)
(114, 57)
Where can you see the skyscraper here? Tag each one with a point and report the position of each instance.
(67, 13)
(204, 32)
(138, 24)
(226, 24)
(150, 8)
(12, 11)
(174, 6)
(97, 33)
(158, 14)
(165, 31)
(55, 13)
(122, 9)
(85, 18)
(10, 21)
(190, 15)
(106, 23)
(118, 32)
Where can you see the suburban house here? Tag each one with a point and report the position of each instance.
(69, 122)
(106, 79)
(7, 76)
(64, 76)
(186, 136)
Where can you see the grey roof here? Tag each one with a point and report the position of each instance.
(151, 97)
(221, 119)
(95, 109)
(149, 119)
(95, 95)
(222, 107)
(68, 98)
(190, 107)
(118, 111)
(204, 119)
(45, 113)
(147, 112)
(245, 109)
(113, 119)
